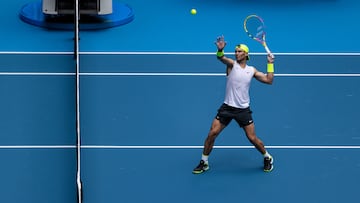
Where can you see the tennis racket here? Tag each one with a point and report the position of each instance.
(255, 28)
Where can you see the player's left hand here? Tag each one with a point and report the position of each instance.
(220, 42)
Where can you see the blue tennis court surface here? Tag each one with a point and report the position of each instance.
(148, 96)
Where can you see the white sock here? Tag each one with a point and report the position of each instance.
(267, 155)
(205, 158)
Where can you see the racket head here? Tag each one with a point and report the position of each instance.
(255, 28)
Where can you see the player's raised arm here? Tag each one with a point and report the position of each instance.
(269, 76)
(220, 44)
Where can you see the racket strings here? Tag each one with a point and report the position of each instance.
(255, 28)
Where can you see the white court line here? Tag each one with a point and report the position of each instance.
(179, 53)
(37, 52)
(37, 146)
(169, 147)
(35, 74)
(223, 74)
(174, 74)
(153, 74)
(217, 147)
(212, 53)
(170, 74)
(319, 75)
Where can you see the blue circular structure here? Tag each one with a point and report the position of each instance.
(32, 13)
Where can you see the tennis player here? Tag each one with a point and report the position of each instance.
(237, 102)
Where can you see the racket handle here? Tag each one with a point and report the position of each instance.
(268, 51)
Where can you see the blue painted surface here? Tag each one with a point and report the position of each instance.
(306, 111)
(293, 26)
(235, 175)
(177, 110)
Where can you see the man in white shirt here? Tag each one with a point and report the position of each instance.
(237, 102)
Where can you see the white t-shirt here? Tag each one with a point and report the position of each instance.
(237, 86)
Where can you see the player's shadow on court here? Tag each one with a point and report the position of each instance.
(237, 162)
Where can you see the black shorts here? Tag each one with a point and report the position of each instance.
(242, 116)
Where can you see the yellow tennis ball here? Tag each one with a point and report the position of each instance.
(193, 11)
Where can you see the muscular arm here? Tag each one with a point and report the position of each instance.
(268, 77)
(220, 44)
(264, 78)
(227, 61)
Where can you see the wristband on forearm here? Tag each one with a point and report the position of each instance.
(270, 67)
(220, 53)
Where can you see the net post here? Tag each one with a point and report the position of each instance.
(77, 98)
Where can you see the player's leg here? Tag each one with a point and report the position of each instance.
(251, 135)
(222, 119)
(215, 129)
(259, 145)
(245, 120)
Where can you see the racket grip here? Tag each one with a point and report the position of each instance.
(268, 51)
